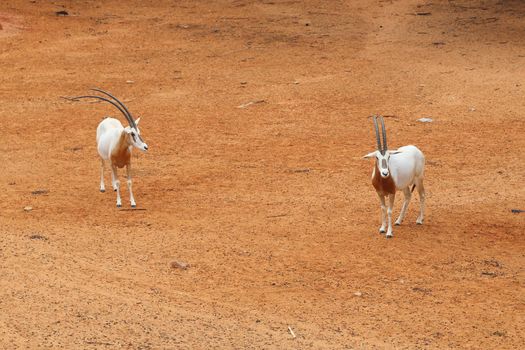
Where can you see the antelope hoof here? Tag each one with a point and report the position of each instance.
(102, 190)
(133, 205)
(119, 205)
(397, 223)
(382, 230)
(389, 235)
(419, 222)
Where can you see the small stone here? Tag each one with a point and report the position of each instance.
(425, 120)
(130, 82)
(28, 208)
(179, 265)
(358, 294)
(472, 109)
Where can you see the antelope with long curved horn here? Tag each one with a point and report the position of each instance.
(115, 142)
(396, 171)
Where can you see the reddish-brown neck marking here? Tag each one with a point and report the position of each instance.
(121, 154)
(383, 186)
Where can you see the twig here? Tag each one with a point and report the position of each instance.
(307, 170)
(276, 216)
(37, 236)
(244, 105)
(94, 342)
(37, 192)
(291, 332)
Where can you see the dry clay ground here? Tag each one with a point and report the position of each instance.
(270, 204)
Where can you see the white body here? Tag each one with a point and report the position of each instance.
(406, 166)
(114, 144)
(108, 134)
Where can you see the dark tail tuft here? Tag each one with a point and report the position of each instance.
(413, 186)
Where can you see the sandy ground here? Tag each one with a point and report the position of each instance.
(271, 204)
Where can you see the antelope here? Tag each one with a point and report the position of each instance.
(396, 171)
(115, 142)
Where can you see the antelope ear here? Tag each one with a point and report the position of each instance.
(137, 121)
(370, 155)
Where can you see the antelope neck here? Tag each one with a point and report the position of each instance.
(383, 185)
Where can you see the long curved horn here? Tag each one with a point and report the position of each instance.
(129, 117)
(103, 99)
(385, 147)
(377, 135)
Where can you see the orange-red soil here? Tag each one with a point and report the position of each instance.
(271, 204)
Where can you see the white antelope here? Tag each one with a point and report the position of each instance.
(397, 171)
(115, 142)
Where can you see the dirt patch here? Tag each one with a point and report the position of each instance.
(9, 24)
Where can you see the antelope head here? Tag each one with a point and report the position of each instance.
(382, 154)
(134, 138)
(132, 131)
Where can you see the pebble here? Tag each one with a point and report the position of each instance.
(28, 208)
(358, 294)
(425, 120)
(179, 265)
